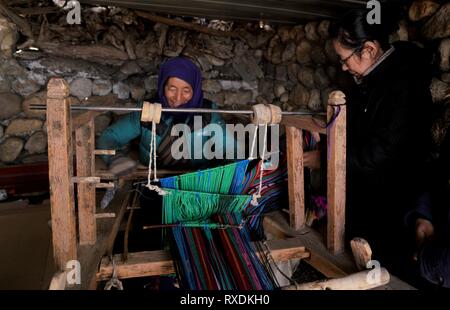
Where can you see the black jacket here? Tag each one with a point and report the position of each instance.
(388, 138)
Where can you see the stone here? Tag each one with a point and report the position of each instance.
(274, 52)
(266, 89)
(320, 78)
(439, 90)
(10, 67)
(102, 122)
(318, 55)
(176, 41)
(68, 67)
(256, 41)
(211, 86)
(303, 52)
(8, 37)
(314, 102)
(284, 98)
(218, 98)
(311, 31)
(1, 131)
(130, 68)
(330, 52)
(151, 85)
(261, 100)
(323, 28)
(25, 87)
(421, 9)
(122, 90)
(242, 97)
(23, 126)
(215, 61)
(37, 143)
(37, 98)
(247, 67)
(289, 52)
(101, 87)
(10, 149)
(298, 33)
(279, 90)
(10, 105)
(292, 70)
(81, 88)
(281, 73)
(306, 76)
(445, 77)
(444, 52)
(284, 32)
(137, 88)
(299, 96)
(5, 85)
(438, 26)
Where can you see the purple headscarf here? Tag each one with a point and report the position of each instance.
(186, 70)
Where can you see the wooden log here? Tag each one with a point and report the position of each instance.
(105, 185)
(151, 263)
(294, 140)
(185, 25)
(58, 281)
(85, 145)
(358, 281)
(60, 173)
(105, 215)
(22, 23)
(336, 173)
(86, 180)
(107, 228)
(105, 152)
(362, 253)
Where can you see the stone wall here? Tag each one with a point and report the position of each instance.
(117, 54)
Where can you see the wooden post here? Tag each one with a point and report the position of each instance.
(61, 172)
(85, 146)
(294, 139)
(336, 173)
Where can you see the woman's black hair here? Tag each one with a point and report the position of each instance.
(353, 29)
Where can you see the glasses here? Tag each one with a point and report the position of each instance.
(344, 61)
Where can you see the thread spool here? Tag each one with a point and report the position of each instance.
(151, 112)
(266, 114)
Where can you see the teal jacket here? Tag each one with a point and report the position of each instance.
(130, 127)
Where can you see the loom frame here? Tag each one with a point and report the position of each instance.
(82, 235)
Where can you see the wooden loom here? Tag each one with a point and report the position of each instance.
(86, 236)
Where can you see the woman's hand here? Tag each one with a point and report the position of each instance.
(424, 231)
(311, 159)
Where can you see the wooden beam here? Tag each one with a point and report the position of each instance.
(186, 25)
(85, 145)
(316, 124)
(336, 171)
(107, 228)
(294, 140)
(60, 173)
(332, 266)
(357, 281)
(151, 263)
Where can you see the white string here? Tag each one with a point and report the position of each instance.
(255, 197)
(253, 143)
(152, 159)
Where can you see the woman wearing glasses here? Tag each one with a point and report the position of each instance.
(388, 127)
